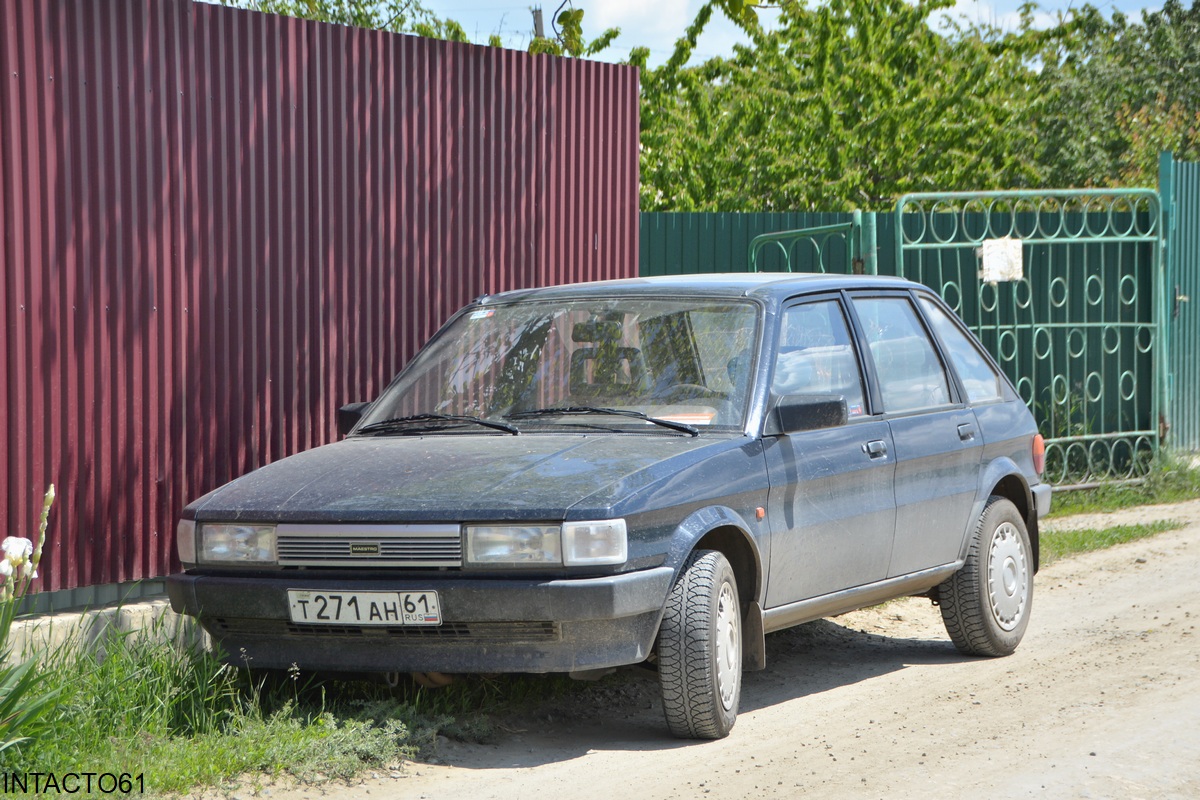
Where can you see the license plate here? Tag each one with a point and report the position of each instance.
(364, 608)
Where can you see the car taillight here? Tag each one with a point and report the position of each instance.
(1039, 454)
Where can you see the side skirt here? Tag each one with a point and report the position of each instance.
(829, 605)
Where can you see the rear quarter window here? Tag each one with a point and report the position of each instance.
(911, 376)
(979, 379)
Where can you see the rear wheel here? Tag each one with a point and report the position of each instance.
(700, 649)
(986, 604)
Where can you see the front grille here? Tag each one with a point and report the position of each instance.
(466, 632)
(475, 632)
(369, 545)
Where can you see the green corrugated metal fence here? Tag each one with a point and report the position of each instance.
(690, 243)
(1179, 183)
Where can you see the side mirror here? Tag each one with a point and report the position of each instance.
(795, 413)
(349, 415)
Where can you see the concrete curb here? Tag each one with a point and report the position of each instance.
(87, 631)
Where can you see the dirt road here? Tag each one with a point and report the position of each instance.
(1102, 700)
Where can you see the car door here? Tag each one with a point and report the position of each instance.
(937, 443)
(830, 505)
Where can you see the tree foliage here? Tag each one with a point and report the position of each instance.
(846, 104)
(410, 16)
(1116, 93)
(851, 103)
(397, 16)
(569, 40)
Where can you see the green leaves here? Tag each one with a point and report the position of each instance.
(570, 41)
(851, 103)
(845, 105)
(22, 702)
(388, 15)
(1116, 93)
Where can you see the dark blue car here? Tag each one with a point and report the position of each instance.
(657, 470)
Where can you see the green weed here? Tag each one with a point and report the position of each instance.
(1058, 544)
(150, 703)
(143, 704)
(1169, 480)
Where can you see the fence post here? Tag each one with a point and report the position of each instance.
(1166, 275)
(870, 245)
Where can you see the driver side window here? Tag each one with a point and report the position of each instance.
(816, 355)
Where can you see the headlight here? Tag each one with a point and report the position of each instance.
(185, 541)
(513, 545)
(237, 544)
(575, 544)
(593, 543)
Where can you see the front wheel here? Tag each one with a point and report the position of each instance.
(986, 604)
(700, 649)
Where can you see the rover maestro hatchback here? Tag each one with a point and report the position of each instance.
(656, 470)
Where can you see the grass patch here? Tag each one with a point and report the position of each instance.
(142, 704)
(1057, 544)
(1168, 481)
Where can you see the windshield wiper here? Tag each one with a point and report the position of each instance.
(620, 412)
(402, 423)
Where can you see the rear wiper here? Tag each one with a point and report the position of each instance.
(620, 412)
(401, 423)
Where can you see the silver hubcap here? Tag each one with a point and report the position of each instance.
(729, 646)
(1008, 576)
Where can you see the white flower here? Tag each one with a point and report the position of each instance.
(6, 568)
(16, 548)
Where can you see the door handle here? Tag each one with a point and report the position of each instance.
(876, 448)
(966, 432)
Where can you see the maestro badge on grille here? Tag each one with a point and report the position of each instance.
(364, 548)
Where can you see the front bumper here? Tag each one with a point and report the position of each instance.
(488, 625)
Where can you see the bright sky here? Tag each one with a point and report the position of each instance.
(658, 23)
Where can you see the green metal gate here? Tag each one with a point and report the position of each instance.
(843, 247)
(1082, 332)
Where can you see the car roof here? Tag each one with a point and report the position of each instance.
(765, 285)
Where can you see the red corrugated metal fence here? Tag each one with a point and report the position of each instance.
(216, 226)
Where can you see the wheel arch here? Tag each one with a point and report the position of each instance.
(724, 530)
(1012, 487)
(735, 545)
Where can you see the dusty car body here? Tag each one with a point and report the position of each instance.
(661, 470)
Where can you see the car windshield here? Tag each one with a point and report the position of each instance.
(564, 363)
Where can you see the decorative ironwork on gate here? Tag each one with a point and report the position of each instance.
(840, 248)
(1080, 331)
(826, 248)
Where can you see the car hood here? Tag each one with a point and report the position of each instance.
(455, 477)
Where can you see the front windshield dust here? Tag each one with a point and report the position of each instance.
(685, 361)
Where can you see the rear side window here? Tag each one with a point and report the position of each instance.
(980, 380)
(910, 373)
(816, 355)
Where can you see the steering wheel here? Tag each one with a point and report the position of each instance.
(689, 391)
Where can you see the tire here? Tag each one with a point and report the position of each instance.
(700, 649)
(986, 604)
